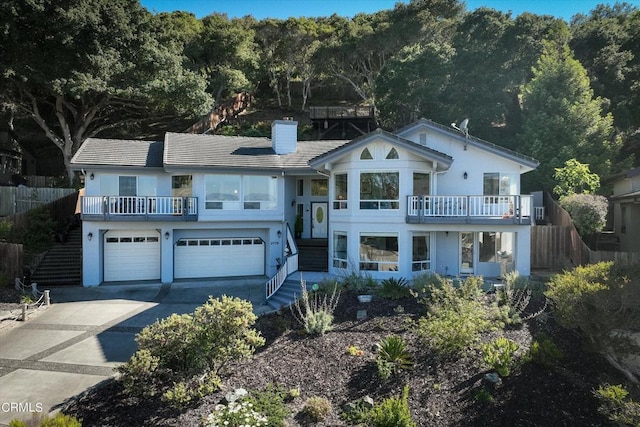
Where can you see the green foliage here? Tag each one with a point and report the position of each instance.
(41, 420)
(317, 408)
(484, 396)
(575, 178)
(588, 212)
(235, 414)
(616, 405)
(392, 356)
(514, 298)
(393, 288)
(39, 233)
(357, 282)
(598, 300)
(544, 352)
(5, 229)
(393, 412)
(499, 355)
(315, 313)
(271, 402)
(190, 351)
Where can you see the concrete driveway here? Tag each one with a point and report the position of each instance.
(76, 342)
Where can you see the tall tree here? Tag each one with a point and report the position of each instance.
(82, 67)
(562, 119)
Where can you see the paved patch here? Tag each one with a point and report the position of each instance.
(108, 349)
(88, 313)
(21, 343)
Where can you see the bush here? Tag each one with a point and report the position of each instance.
(38, 236)
(588, 212)
(5, 229)
(392, 356)
(317, 408)
(393, 288)
(499, 355)
(616, 406)
(393, 412)
(182, 356)
(359, 283)
(235, 414)
(514, 298)
(544, 352)
(40, 420)
(316, 313)
(271, 401)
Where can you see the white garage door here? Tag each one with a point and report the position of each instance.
(131, 255)
(195, 258)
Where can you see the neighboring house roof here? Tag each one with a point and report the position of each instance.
(627, 174)
(470, 140)
(96, 152)
(190, 151)
(443, 160)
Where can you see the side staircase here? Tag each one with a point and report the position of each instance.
(62, 264)
(313, 254)
(287, 294)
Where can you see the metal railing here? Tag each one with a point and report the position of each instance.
(290, 266)
(139, 205)
(494, 207)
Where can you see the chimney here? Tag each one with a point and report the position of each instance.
(284, 136)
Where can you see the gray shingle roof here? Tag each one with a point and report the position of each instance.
(118, 152)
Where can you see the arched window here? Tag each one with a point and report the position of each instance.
(392, 154)
(366, 155)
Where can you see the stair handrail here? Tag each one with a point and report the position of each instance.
(289, 266)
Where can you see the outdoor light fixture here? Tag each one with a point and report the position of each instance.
(90, 236)
(279, 233)
(91, 176)
(465, 175)
(166, 235)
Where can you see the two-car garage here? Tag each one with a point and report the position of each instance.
(136, 255)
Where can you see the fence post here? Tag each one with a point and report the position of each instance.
(47, 299)
(24, 312)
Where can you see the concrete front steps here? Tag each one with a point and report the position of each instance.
(287, 294)
(62, 264)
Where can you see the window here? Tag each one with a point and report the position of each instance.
(421, 184)
(340, 257)
(623, 219)
(366, 155)
(499, 184)
(222, 192)
(127, 186)
(319, 187)
(392, 154)
(378, 253)
(495, 246)
(341, 196)
(260, 192)
(421, 256)
(300, 188)
(379, 190)
(181, 186)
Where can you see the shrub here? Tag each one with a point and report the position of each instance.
(235, 414)
(616, 406)
(393, 288)
(499, 354)
(484, 396)
(5, 229)
(588, 212)
(393, 412)
(357, 282)
(317, 408)
(599, 301)
(424, 284)
(41, 420)
(544, 352)
(271, 401)
(316, 313)
(39, 233)
(392, 356)
(190, 351)
(514, 298)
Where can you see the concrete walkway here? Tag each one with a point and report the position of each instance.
(76, 342)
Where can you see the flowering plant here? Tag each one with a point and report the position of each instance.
(235, 414)
(354, 350)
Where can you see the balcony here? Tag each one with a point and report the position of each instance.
(469, 209)
(139, 208)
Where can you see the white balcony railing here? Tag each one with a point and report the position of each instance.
(477, 207)
(113, 206)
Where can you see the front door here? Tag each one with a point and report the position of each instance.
(319, 220)
(466, 253)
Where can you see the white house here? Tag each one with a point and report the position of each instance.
(424, 198)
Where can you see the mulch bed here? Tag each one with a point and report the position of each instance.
(442, 391)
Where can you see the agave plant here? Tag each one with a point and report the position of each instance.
(392, 356)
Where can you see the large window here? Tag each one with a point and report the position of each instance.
(340, 258)
(421, 256)
(379, 252)
(421, 184)
(499, 184)
(341, 195)
(495, 246)
(379, 190)
(260, 192)
(181, 186)
(319, 188)
(222, 191)
(127, 186)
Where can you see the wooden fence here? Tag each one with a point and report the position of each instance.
(11, 261)
(559, 246)
(60, 210)
(14, 200)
